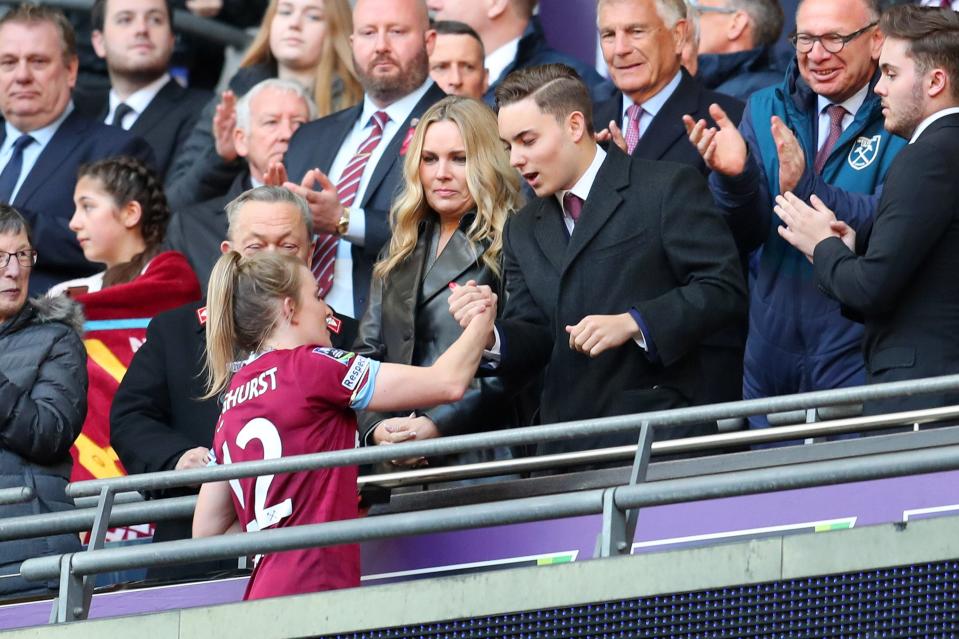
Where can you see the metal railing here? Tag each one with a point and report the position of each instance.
(129, 508)
(614, 503)
(77, 589)
(183, 21)
(538, 434)
(16, 495)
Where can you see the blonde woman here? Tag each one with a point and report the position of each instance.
(447, 230)
(292, 394)
(302, 40)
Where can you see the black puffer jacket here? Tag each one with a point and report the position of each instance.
(43, 402)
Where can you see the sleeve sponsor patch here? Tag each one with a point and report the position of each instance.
(355, 375)
(341, 357)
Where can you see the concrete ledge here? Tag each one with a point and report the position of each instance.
(531, 588)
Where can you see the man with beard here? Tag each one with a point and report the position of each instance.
(897, 273)
(135, 37)
(355, 156)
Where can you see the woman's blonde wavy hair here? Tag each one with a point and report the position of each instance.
(492, 182)
(336, 59)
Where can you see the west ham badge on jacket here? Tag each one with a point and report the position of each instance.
(864, 152)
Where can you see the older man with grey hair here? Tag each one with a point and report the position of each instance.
(642, 42)
(737, 37)
(266, 118)
(156, 421)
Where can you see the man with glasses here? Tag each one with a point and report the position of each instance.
(43, 399)
(899, 274)
(736, 45)
(821, 133)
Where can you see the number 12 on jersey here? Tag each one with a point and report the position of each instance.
(263, 516)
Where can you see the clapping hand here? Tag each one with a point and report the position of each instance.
(792, 160)
(613, 134)
(325, 205)
(224, 123)
(723, 149)
(805, 225)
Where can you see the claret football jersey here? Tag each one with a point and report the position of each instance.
(293, 402)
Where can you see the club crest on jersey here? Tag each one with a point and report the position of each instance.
(341, 357)
(864, 152)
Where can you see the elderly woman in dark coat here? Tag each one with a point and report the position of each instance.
(447, 230)
(43, 399)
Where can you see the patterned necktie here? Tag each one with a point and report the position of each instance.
(633, 113)
(573, 205)
(324, 248)
(835, 113)
(11, 172)
(119, 113)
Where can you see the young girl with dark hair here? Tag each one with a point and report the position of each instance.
(120, 221)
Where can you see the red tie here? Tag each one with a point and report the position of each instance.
(633, 113)
(835, 113)
(573, 205)
(324, 248)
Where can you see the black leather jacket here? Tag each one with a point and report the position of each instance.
(408, 321)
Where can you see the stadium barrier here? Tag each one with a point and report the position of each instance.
(618, 509)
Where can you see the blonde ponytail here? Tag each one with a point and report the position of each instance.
(220, 327)
(243, 302)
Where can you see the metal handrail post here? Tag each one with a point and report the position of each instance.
(619, 525)
(75, 594)
(812, 416)
(98, 535)
(68, 606)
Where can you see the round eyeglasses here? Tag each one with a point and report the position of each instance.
(831, 42)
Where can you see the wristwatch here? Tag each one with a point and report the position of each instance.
(344, 224)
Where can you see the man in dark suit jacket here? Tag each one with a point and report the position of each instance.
(645, 118)
(898, 274)
(653, 91)
(135, 37)
(615, 289)
(44, 139)
(402, 90)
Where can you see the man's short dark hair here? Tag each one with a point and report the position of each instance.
(767, 19)
(455, 27)
(28, 13)
(98, 13)
(932, 34)
(556, 88)
(12, 223)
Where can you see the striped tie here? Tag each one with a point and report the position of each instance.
(633, 114)
(324, 248)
